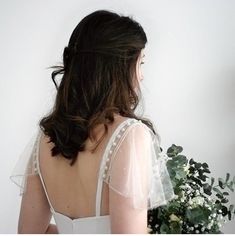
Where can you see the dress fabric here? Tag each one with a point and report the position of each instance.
(132, 165)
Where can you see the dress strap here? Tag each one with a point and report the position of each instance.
(112, 141)
(38, 167)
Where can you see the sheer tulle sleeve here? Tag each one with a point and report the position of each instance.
(137, 169)
(26, 164)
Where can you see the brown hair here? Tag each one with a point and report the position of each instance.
(98, 73)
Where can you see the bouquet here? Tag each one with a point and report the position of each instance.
(201, 205)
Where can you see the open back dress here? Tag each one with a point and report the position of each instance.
(131, 164)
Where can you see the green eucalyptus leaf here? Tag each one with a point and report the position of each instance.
(175, 228)
(231, 207)
(164, 229)
(212, 181)
(224, 200)
(225, 193)
(219, 196)
(230, 186)
(217, 190)
(191, 169)
(174, 150)
(180, 149)
(197, 215)
(207, 189)
(198, 165)
(191, 161)
(227, 177)
(180, 174)
(224, 210)
(202, 177)
(181, 159)
(171, 164)
(207, 171)
(170, 152)
(205, 165)
(221, 183)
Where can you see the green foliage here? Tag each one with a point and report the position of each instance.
(200, 198)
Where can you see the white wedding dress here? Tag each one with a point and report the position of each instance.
(134, 171)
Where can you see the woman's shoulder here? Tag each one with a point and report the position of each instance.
(126, 126)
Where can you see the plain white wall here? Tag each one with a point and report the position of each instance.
(189, 85)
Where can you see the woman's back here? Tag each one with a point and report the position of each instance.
(72, 189)
(108, 191)
(78, 196)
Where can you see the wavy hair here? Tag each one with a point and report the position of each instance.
(98, 76)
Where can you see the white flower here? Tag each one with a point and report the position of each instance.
(198, 200)
(197, 231)
(214, 215)
(203, 228)
(173, 217)
(219, 225)
(187, 185)
(176, 196)
(191, 228)
(220, 211)
(186, 169)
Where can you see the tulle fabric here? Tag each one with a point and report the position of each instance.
(26, 164)
(138, 169)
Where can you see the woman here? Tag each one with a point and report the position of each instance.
(94, 164)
